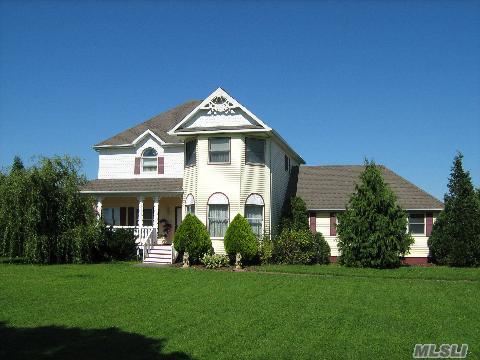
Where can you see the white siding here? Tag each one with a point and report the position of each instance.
(418, 249)
(279, 181)
(236, 180)
(120, 163)
(323, 226)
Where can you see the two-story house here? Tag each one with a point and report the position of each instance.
(214, 158)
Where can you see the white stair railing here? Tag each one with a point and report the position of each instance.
(149, 242)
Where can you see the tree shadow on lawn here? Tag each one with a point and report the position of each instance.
(53, 342)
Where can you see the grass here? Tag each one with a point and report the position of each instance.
(119, 311)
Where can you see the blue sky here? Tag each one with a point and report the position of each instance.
(396, 81)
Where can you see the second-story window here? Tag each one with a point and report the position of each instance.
(255, 151)
(219, 150)
(190, 152)
(149, 160)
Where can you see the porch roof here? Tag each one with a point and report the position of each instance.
(125, 186)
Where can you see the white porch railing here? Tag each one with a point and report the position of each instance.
(140, 233)
(146, 237)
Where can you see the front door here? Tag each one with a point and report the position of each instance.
(178, 216)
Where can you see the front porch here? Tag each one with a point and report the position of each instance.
(152, 217)
(151, 207)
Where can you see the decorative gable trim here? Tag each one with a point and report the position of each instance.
(219, 102)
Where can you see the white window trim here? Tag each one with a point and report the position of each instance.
(417, 223)
(149, 158)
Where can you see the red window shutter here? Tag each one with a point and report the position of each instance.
(333, 224)
(136, 170)
(161, 165)
(313, 222)
(429, 224)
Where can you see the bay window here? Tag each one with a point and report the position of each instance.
(254, 151)
(218, 215)
(254, 213)
(219, 150)
(190, 152)
(190, 204)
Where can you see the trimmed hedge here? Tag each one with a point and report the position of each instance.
(293, 246)
(192, 237)
(240, 238)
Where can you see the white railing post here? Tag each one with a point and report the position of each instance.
(99, 207)
(155, 213)
(140, 216)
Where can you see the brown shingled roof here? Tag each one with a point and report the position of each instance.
(133, 185)
(159, 124)
(330, 187)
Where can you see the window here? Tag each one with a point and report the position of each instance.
(287, 163)
(219, 150)
(218, 217)
(416, 224)
(254, 213)
(255, 151)
(190, 204)
(149, 160)
(111, 216)
(190, 152)
(147, 217)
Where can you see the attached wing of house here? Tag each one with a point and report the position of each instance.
(327, 189)
(215, 158)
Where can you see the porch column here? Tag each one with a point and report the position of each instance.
(99, 207)
(140, 211)
(155, 212)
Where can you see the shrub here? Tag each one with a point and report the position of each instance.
(294, 247)
(120, 244)
(240, 238)
(321, 249)
(455, 237)
(192, 237)
(296, 216)
(372, 230)
(214, 261)
(265, 250)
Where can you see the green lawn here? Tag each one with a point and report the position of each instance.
(120, 311)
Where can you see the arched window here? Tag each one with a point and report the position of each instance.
(254, 206)
(218, 215)
(190, 204)
(149, 160)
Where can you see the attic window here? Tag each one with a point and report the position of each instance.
(149, 160)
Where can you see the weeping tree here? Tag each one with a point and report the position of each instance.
(43, 217)
(372, 230)
(455, 237)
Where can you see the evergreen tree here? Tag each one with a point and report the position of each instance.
(17, 164)
(192, 237)
(240, 238)
(372, 230)
(455, 238)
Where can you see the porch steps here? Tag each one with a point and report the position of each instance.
(159, 254)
